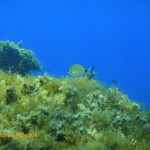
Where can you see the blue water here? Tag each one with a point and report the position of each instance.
(112, 35)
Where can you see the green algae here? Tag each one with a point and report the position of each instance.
(15, 59)
(44, 112)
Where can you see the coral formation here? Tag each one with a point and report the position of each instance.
(15, 59)
(43, 113)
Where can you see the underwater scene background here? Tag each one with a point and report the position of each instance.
(112, 35)
(74, 75)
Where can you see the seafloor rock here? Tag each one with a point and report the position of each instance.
(15, 59)
(46, 113)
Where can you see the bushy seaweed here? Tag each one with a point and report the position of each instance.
(15, 59)
(44, 112)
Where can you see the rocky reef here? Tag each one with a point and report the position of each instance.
(15, 59)
(48, 113)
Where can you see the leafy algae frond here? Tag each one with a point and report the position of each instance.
(44, 112)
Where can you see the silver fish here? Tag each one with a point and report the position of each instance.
(77, 71)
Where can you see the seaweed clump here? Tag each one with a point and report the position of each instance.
(15, 59)
(44, 112)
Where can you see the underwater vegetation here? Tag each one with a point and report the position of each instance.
(47, 113)
(15, 59)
